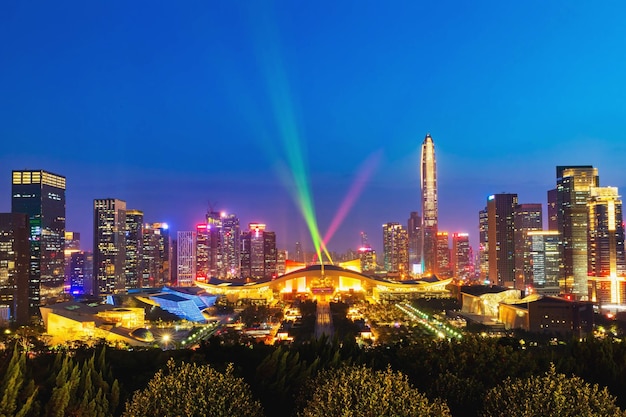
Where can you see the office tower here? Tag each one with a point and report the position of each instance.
(544, 261)
(367, 257)
(553, 210)
(606, 263)
(202, 252)
(573, 185)
(461, 261)
(299, 253)
(109, 244)
(428, 175)
(483, 248)
(133, 266)
(14, 268)
(72, 245)
(396, 250)
(214, 230)
(231, 247)
(414, 229)
(527, 217)
(501, 237)
(443, 255)
(186, 258)
(156, 255)
(41, 195)
(81, 273)
(258, 256)
(173, 266)
(281, 262)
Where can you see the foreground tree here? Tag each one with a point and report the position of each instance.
(194, 390)
(360, 391)
(549, 395)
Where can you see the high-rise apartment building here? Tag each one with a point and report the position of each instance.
(186, 258)
(527, 217)
(258, 255)
(396, 250)
(15, 233)
(41, 195)
(444, 269)
(428, 176)
(109, 244)
(461, 261)
(133, 266)
(414, 229)
(501, 237)
(156, 254)
(605, 254)
(543, 274)
(573, 187)
(483, 241)
(230, 247)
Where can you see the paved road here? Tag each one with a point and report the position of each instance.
(324, 323)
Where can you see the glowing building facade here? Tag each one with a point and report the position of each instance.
(543, 260)
(428, 175)
(156, 254)
(606, 262)
(231, 247)
(501, 227)
(461, 261)
(396, 250)
(133, 266)
(527, 217)
(414, 229)
(41, 195)
(443, 255)
(483, 240)
(573, 190)
(186, 259)
(14, 268)
(109, 245)
(259, 255)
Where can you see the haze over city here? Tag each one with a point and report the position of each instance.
(173, 109)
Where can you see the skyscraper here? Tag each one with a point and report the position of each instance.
(156, 254)
(231, 247)
(414, 230)
(428, 175)
(527, 217)
(258, 255)
(573, 185)
(501, 237)
(605, 251)
(443, 255)
(109, 245)
(461, 257)
(133, 266)
(544, 261)
(396, 250)
(483, 239)
(41, 195)
(14, 267)
(186, 258)
(214, 230)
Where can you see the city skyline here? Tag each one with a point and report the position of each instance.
(175, 109)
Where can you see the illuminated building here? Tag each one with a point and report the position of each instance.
(605, 254)
(214, 243)
(231, 247)
(543, 258)
(281, 262)
(527, 217)
(186, 258)
(259, 255)
(461, 255)
(299, 253)
(109, 245)
(483, 239)
(133, 266)
(41, 195)
(574, 185)
(202, 252)
(553, 210)
(72, 245)
(81, 273)
(501, 227)
(428, 178)
(156, 254)
(396, 250)
(14, 268)
(414, 229)
(443, 255)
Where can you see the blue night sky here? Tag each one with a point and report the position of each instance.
(171, 106)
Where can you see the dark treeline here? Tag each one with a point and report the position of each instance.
(102, 379)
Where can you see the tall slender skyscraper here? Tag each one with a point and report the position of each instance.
(573, 185)
(414, 230)
(396, 250)
(109, 245)
(428, 174)
(133, 266)
(501, 238)
(41, 195)
(14, 267)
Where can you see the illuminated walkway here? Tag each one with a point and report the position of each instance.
(324, 323)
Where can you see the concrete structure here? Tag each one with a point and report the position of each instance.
(428, 180)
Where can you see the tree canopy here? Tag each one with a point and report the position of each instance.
(194, 390)
(549, 395)
(360, 391)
